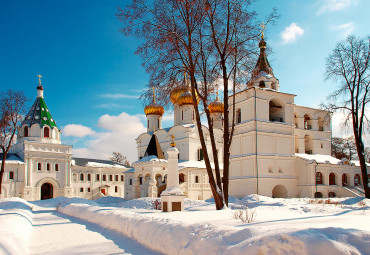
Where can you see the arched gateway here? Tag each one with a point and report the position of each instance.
(46, 191)
(279, 191)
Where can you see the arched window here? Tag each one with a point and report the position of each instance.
(238, 116)
(318, 195)
(182, 115)
(39, 166)
(262, 84)
(158, 123)
(357, 179)
(319, 178)
(273, 85)
(74, 177)
(46, 132)
(331, 194)
(276, 111)
(48, 166)
(82, 177)
(320, 121)
(308, 143)
(196, 179)
(331, 179)
(307, 122)
(56, 167)
(344, 180)
(25, 133)
(200, 154)
(88, 177)
(193, 115)
(181, 178)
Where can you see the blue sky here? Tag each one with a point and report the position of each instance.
(85, 62)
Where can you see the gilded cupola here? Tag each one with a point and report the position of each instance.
(154, 108)
(216, 106)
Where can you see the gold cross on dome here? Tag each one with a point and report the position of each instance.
(173, 144)
(39, 78)
(263, 27)
(153, 94)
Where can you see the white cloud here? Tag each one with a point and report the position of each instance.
(119, 96)
(345, 29)
(113, 105)
(77, 130)
(119, 135)
(291, 33)
(334, 5)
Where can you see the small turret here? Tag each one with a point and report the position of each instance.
(216, 110)
(262, 75)
(154, 114)
(39, 125)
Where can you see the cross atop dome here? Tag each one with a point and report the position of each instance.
(262, 74)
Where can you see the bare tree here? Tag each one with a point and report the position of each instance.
(350, 147)
(344, 148)
(349, 65)
(12, 107)
(209, 41)
(367, 154)
(337, 148)
(117, 157)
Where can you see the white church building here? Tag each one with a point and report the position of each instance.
(279, 149)
(39, 166)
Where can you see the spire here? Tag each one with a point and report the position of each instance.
(40, 89)
(262, 75)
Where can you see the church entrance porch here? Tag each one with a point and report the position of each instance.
(46, 191)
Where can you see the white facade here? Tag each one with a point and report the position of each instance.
(279, 149)
(39, 166)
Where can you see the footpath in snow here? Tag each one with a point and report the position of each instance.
(44, 230)
(109, 226)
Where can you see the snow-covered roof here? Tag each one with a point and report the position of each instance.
(12, 158)
(319, 158)
(195, 164)
(87, 162)
(357, 163)
(151, 158)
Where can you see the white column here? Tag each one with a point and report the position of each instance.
(173, 165)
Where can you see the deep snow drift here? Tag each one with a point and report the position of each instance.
(281, 226)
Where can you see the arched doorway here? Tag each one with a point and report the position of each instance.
(331, 179)
(279, 191)
(46, 191)
(345, 180)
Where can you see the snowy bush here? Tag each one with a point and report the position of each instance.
(245, 214)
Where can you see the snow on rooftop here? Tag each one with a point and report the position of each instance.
(195, 164)
(323, 159)
(97, 164)
(151, 158)
(357, 163)
(13, 159)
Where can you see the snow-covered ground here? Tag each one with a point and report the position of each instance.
(281, 226)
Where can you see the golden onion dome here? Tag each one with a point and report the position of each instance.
(176, 92)
(216, 106)
(154, 108)
(186, 98)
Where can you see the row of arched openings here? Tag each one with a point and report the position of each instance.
(46, 132)
(332, 179)
(48, 167)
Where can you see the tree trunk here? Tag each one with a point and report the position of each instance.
(361, 157)
(2, 171)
